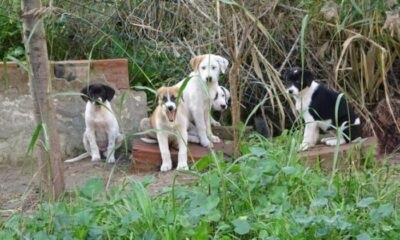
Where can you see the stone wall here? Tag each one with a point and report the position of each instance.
(16, 106)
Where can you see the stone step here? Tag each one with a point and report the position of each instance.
(146, 156)
(322, 156)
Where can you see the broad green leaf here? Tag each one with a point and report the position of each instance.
(365, 202)
(93, 187)
(241, 226)
(363, 236)
(319, 202)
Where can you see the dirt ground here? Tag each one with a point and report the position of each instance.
(19, 190)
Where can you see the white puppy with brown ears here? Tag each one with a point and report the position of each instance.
(200, 91)
(102, 130)
(170, 120)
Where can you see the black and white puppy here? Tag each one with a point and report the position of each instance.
(316, 104)
(220, 103)
(102, 130)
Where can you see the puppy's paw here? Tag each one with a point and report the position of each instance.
(95, 158)
(215, 124)
(304, 146)
(111, 159)
(334, 142)
(324, 140)
(215, 139)
(205, 142)
(166, 167)
(182, 166)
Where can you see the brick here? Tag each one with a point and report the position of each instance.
(351, 153)
(146, 157)
(114, 71)
(67, 75)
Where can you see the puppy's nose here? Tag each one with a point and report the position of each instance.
(208, 79)
(170, 108)
(223, 106)
(290, 91)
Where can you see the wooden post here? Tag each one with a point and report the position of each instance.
(49, 156)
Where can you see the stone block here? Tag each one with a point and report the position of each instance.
(69, 77)
(349, 154)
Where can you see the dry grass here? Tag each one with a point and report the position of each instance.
(353, 46)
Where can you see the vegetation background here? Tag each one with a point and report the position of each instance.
(351, 45)
(266, 193)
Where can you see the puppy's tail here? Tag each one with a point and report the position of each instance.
(78, 158)
(148, 140)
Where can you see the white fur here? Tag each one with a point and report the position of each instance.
(218, 102)
(303, 101)
(198, 95)
(101, 134)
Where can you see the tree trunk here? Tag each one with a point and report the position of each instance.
(235, 105)
(49, 156)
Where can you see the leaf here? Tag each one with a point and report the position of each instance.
(386, 209)
(203, 163)
(289, 170)
(278, 194)
(319, 202)
(241, 226)
(132, 217)
(363, 236)
(93, 187)
(258, 151)
(365, 202)
(34, 139)
(182, 87)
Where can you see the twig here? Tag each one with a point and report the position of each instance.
(289, 54)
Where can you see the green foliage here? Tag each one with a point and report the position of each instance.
(267, 193)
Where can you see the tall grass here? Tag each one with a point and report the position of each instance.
(347, 43)
(267, 193)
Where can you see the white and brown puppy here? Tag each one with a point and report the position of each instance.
(200, 90)
(102, 130)
(220, 103)
(170, 120)
(317, 106)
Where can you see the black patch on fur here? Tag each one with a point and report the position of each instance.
(300, 79)
(94, 91)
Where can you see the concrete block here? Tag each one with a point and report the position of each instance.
(16, 104)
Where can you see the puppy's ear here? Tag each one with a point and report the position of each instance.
(85, 92)
(227, 93)
(109, 92)
(195, 62)
(308, 77)
(223, 63)
(159, 92)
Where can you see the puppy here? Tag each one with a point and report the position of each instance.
(200, 90)
(316, 104)
(171, 122)
(102, 130)
(220, 103)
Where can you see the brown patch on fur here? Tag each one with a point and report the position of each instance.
(163, 91)
(384, 124)
(195, 62)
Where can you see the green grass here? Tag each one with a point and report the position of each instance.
(266, 193)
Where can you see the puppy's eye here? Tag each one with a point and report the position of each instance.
(173, 98)
(203, 67)
(213, 67)
(165, 99)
